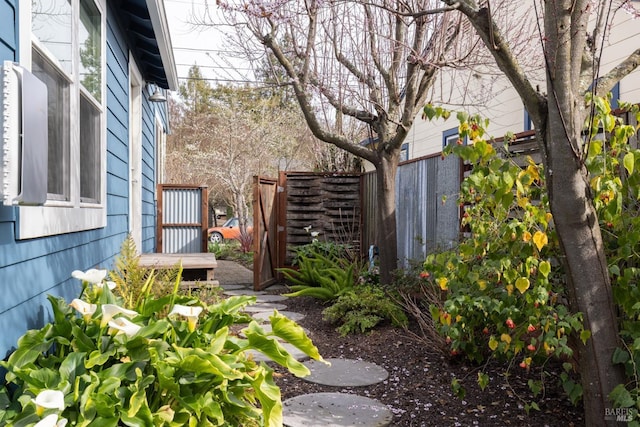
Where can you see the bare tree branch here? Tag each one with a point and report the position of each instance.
(608, 81)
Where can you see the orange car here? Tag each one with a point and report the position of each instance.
(229, 230)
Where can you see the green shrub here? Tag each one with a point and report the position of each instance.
(320, 277)
(223, 250)
(502, 288)
(112, 366)
(363, 308)
(134, 282)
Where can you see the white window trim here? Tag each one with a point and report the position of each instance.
(161, 149)
(58, 217)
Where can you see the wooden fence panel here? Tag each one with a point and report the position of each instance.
(329, 203)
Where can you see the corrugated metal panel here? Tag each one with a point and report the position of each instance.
(412, 206)
(181, 240)
(182, 206)
(183, 220)
(425, 222)
(448, 213)
(369, 207)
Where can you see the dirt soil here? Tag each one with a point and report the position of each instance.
(418, 390)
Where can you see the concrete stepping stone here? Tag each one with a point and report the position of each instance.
(263, 316)
(265, 306)
(241, 292)
(278, 288)
(270, 298)
(345, 373)
(232, 287)
(292, 350)
(335, 410)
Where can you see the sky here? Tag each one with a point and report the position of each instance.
(202, 46)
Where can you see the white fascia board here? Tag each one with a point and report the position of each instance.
(163, 37)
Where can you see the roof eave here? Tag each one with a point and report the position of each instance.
(163, 37)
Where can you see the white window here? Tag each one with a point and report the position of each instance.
(63, 43)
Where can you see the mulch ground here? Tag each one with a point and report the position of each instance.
(418, 390)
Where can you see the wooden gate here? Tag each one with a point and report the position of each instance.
(265, 231)
(286, 211)
(182, 219)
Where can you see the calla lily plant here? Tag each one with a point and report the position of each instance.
(138, 366)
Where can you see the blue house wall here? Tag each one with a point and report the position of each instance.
(34, 268)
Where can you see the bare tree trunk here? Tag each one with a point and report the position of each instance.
(386, 233)
(587, 272)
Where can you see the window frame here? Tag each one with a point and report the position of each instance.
(404, 152)
(66, 216)
(448, 135)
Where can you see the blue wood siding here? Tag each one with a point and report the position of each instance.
(32, 269)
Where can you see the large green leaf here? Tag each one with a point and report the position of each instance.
(72, 366)
(269, 395)
(98, 358)
(81, 341)
(31, 345)
(271, 348)
(294, 334)
(104, 422)
(200, 361)
(319, 293)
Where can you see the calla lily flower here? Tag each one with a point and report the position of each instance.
(52, 421)
(111, 310)
(315, 233)
(190, 312)
(111, 285)
(123, 325)
(84, 308)
(307, 228)
(92, 275)
(49, 399)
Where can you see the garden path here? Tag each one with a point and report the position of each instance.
(335, 409)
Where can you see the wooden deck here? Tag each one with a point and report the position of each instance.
(197, 261)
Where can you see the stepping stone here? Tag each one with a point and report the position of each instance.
(263, 316)
(270, 298)
(277, 288)
(241, 292)
(335, 410)
(261, 357)
(265, 306)
(268, 329)
(231, 287)
(345, 373)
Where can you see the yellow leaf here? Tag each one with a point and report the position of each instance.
(523, 202)
(522, 284)
(509, 289)
(493, 343)
(445, 318)
(548, 217)
(482, 284)
(533, 171)
(540, 239)
(458, 318)
(526, 236)
(443, 282)
(544, 268)
(505, 338)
